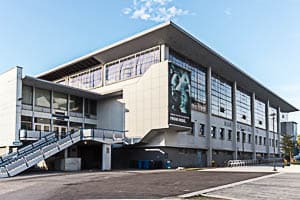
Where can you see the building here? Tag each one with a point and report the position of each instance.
(169, 95)
(290, 128)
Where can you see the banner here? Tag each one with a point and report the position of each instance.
(179, 96)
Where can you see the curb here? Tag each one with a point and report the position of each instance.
(202, 192)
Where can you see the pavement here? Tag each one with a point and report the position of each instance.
(283, 185)
(117, 184)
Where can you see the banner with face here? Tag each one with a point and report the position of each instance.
(179, 96)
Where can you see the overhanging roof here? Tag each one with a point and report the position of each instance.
(176, 38)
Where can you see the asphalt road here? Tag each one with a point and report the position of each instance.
(116, 184)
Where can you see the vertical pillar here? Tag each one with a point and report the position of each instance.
(267, 129)
(234, 119)
(253, 126)
(208, 123)
(51, 110)
(164, 52)
(68, 112)
(278, 131)
(106, 157)
(18, 105)
(33, 107)
(83, 112)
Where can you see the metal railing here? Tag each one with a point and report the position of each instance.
(50, 144)
(240, 163)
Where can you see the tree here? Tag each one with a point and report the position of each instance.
(287, 145)
(298, 141)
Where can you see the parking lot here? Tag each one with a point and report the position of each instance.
(116, 184)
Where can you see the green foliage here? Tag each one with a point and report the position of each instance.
(298, 140)
(287, 144)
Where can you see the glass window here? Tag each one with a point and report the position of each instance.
(249, 138)
(27, 95)
(221, 95)
(76, 104)
(198, 83)
(238, 136)
(229, 134)
(202, 130)
(222, 130)
(90, 107)
(260, 114)
(88, 79)
(42, 98)
(131, 66)
(60, 101)
(243, 107)
(26, 123)
(260, 140)
(272, 119)
(213, 132)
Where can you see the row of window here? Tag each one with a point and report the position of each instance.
(221, 96)
(42, 99)
(132, 66)
(222, 135)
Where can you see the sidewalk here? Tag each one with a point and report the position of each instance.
(286, 169)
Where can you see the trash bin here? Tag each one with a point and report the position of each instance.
(168, 164)
(140, 164)
(146, 164)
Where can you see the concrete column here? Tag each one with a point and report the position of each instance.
(268, 128)
(278, 131)
(68, 112)
(234, 120)
(18, 105)
(33, 107)
(106, 157)
(208, 123)
(253, 126)
(66, 153)
(164, 52)
(51, 110)
(83, 112)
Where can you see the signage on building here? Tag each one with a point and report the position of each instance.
(179, 96)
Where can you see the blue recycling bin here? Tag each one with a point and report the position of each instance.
(146, 164)
(168, 164)
(140, 164)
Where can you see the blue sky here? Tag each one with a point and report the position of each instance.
(260, 37)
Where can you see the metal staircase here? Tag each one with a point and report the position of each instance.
(47, 146)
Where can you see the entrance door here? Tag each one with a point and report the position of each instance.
(60, 130)
(91, 155)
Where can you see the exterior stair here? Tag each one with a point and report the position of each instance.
(16, 162)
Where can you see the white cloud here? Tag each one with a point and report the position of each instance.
(154, 10)
(228, 12)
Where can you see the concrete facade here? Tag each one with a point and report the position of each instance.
(131, 83)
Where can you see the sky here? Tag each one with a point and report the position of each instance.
(260, 37)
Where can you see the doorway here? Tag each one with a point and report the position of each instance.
(90, 153)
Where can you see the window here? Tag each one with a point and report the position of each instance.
(276, 143)
(60, 101)
(87, 79)
(221, 96)
(229, 132)
(27, 95)
(90, 107)
(256, 139)
(249, 138)
(213, 132)
(76, 104)
(243, 137)
(265, 141)
(42, 98)
(238, 136)
(202, 130)
(243, 107)
(260, 140)
(132, 66)
(222, 130)
(260, 114)
(26, 123)
(198, 82)
(272, 119)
